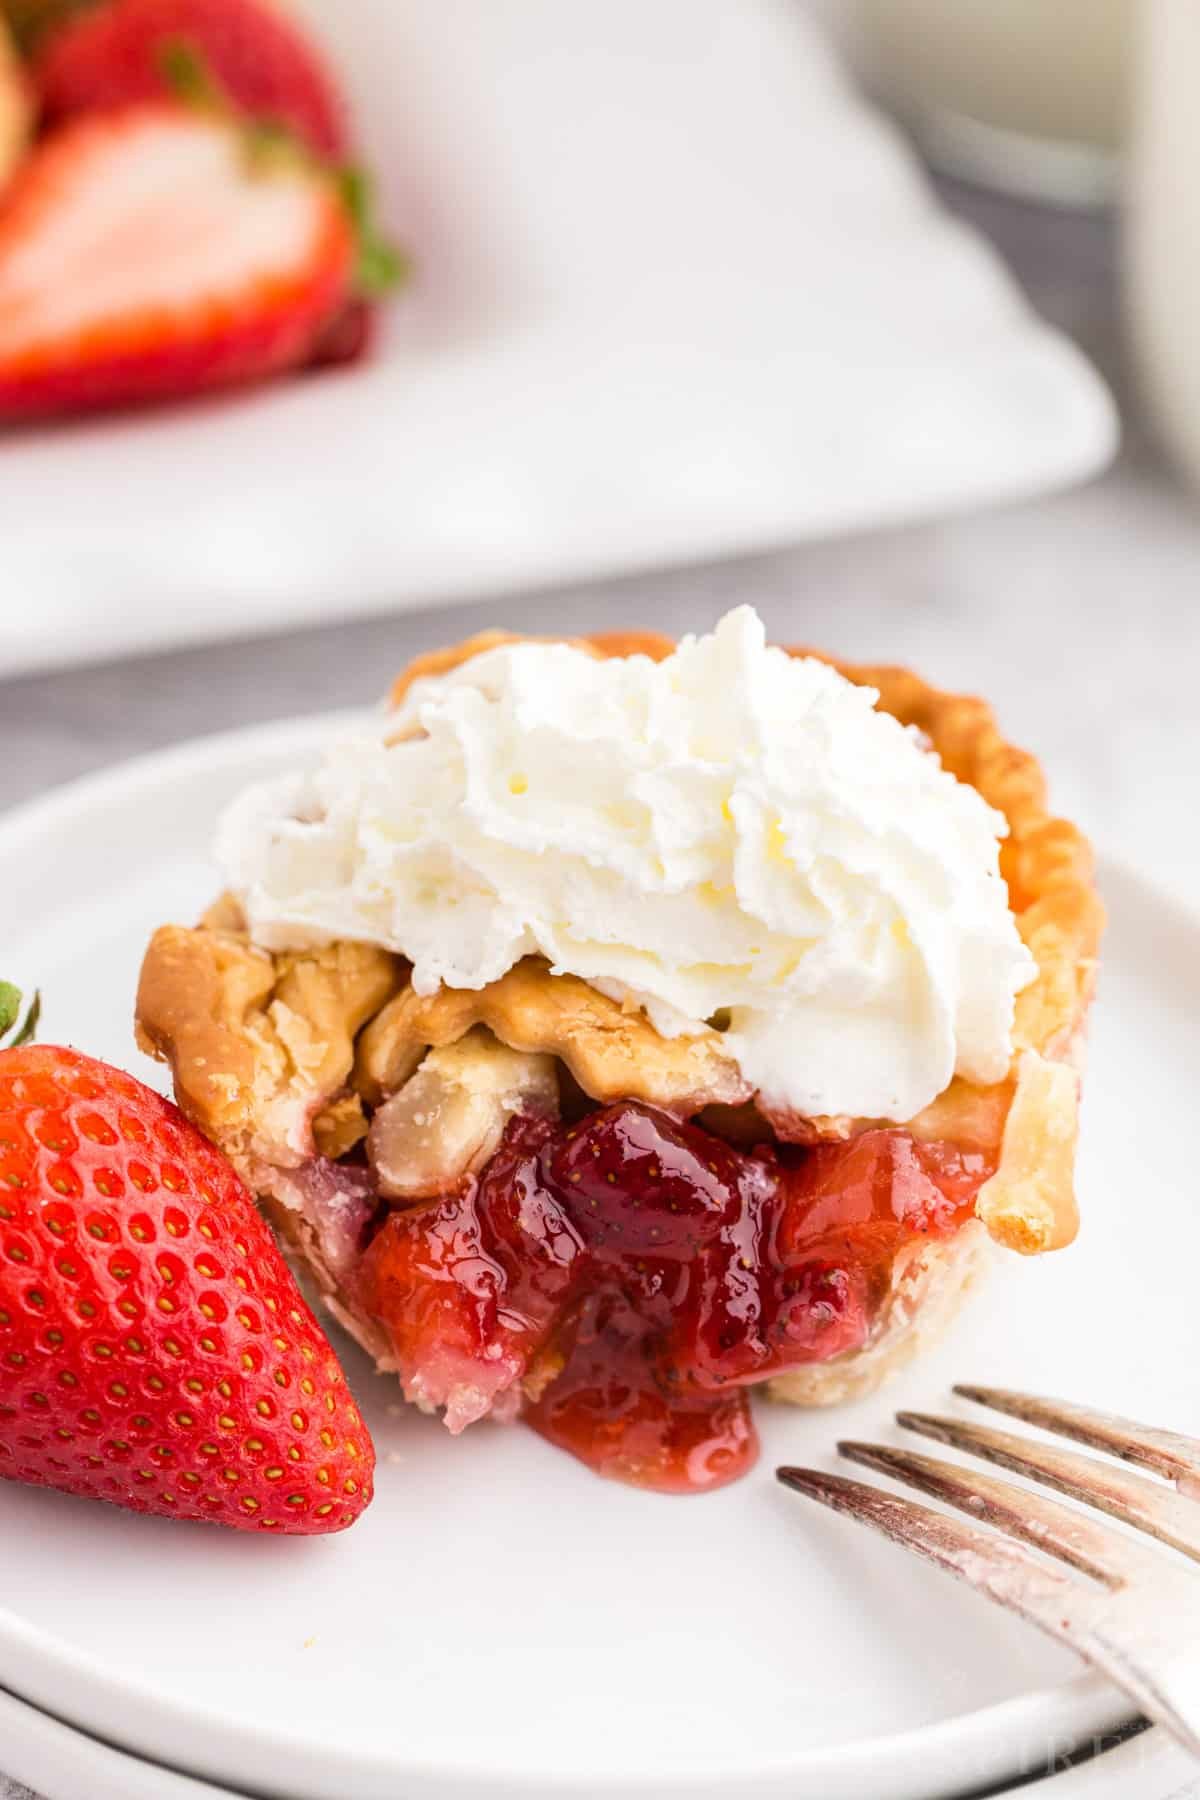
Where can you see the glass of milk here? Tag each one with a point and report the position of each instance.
(1028, 95)
(1163, 225)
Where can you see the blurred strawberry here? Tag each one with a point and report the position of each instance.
(350, 334)
(156, 251)
(30, 20)
(347, 338)
(261, 61)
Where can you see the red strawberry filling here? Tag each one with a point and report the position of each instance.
(624, 1278)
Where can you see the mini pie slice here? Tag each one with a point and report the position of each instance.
(524, 1200)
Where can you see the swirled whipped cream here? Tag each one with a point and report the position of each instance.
(732, 836)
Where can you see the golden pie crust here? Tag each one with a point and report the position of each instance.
(276, 1056)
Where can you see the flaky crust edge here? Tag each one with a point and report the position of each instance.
(1029, 1204)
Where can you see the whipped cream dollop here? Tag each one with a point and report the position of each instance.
(732, 836)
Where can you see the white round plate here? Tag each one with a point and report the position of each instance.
(501, 1621)
(60, 1763)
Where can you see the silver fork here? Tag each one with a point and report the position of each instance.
(1136, 1615)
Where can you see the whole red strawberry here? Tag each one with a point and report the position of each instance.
(155, 1351)
(117, 52)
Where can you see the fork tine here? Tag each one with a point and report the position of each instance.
(1148, 1505)
(1058, 1530)
(1064, 1607)
(1003, 1570)
(1168, 1453)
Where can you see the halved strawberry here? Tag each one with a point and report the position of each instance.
(160, 251)
(116, 53)
(155, 1350)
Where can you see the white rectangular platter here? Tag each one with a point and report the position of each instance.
(679, 293)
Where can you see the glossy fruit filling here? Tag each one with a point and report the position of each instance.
(621, 1281)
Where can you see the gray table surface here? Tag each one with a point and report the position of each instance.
(1078, 615)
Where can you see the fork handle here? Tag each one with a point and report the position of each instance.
(1162, 1676)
